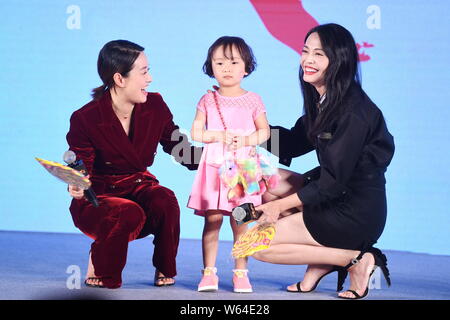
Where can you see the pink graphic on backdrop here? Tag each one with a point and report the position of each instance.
(362, 55)
(289, 22)
(286, 20)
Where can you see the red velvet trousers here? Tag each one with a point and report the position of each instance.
(136, 207)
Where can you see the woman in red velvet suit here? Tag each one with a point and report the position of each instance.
(116, 136)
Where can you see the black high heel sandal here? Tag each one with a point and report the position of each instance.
(342, 274)
(380, 261)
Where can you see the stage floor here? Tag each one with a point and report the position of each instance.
(38, 266)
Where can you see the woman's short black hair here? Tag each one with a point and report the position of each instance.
(116, 56)
(228, 42)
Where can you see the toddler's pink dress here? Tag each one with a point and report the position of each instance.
(239, 113)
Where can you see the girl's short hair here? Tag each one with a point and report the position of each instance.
(228, 42)
(115, 56)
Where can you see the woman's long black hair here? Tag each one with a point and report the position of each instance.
(342, 72)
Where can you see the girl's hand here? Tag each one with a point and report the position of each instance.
(76, 192)
(238, 142)
(271, 212)
(228, 138)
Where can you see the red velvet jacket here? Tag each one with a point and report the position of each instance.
(115, 160)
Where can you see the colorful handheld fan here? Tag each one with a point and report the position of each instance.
(65, 173)
(253, 240)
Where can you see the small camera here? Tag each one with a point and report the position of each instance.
(245, 213)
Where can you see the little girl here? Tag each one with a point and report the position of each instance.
(229, 120)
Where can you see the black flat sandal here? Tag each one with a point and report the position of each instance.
(380, 261)
(91, 285)
(160, 281)
(163, 284)
(342, 274)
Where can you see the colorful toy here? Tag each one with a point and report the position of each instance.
(247, 176)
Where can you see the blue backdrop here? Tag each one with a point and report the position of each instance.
(48, 52)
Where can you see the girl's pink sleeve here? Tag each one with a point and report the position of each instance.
(259, 107)
(202, 104)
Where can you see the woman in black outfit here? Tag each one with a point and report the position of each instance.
(340, 205)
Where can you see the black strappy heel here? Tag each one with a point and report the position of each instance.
(342, 274)
(380, 261)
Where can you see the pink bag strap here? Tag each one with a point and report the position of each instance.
(221, 117)
(218, 110)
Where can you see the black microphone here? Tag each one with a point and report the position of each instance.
(245, 213)
(70, 158)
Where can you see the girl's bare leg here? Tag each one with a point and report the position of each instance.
(210, 238)
(240, 263)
